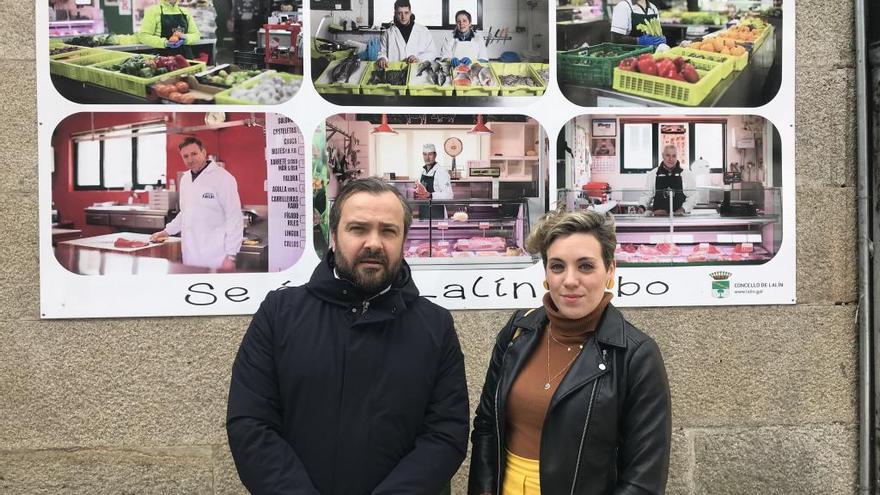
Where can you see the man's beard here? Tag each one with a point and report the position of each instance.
(368, 280)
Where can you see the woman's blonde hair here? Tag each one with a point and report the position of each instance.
(561, 223)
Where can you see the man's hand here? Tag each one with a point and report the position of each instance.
(412, 59)
(382, 63)
(661, 213)
(228, 264)
(160, 236)
(173, 44)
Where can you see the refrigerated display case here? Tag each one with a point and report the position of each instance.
(736, 227)
(469, 233)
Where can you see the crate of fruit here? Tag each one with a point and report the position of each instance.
(660, 78)
(727, 62)
(342, 77)
(430, 78)
(136, 73)
(391, 81)
(269, 88)
(226, 76)
(594, 65)
(80, 68)
(542, 71)
(723, 47)
(518, 79)
(475, 80)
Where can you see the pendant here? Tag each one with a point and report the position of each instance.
(568, 349)
(547, 386)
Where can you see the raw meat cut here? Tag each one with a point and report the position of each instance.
(705, 247)
(668, 248)
(628, 248)
(481, 244)
(746, 247)
(697, 256)
(125, 243)
(648, 250)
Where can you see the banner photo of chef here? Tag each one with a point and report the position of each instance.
(692, 196)
(417, 53)
(156, 193)
(648, 53)
(246, 52)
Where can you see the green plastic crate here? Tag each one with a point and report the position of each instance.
(669, 90)
(416, 89)
(698, 58)
(492, 90)
(738, 62)
(384, 89)
(353, 87)
(225, 97)
(582, 67)
(80, 68)
(137, 86)
(518, 69)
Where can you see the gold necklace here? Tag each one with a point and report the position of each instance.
(549, 379)
(567, 347)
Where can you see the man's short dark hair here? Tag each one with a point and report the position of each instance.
(372, 185)
(191, 140)
(402, 3)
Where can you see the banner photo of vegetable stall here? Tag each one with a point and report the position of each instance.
(163, 53)
(648, 57)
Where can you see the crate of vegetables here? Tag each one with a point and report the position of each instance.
(391, 81)
(670, 79)
(80, 68)
(270, 88)
(136, 73)
(727, 62)
(718, 47)
(518, 79)
(342, 76)
(226, 76)
(593, 66)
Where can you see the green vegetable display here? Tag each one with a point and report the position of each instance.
(651, 27)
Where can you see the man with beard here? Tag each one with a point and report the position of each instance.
(405, 40)
(352, 383)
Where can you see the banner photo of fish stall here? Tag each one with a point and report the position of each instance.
(181, 53)
(703, 205)
(461, 53)
(162, 204)
(699, 53)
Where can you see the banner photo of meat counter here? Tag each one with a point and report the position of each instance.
(167, 205)
(455, 53)
(703, 205)
(175, 51)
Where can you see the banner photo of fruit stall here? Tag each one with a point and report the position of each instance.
(209, 53)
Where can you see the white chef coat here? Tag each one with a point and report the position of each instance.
(688, 185)
(210, 220)
(475, 49)
(442, 182)
(393, 48)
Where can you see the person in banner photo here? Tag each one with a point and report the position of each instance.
(210, 221)
(405, 40)
(576, 399)
(169, 27)
(628, 14)
(435, 182)
(669, 179)
(464, 44)
(352, 383)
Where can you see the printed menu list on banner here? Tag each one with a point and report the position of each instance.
(286, 181)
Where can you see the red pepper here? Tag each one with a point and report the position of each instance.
(628, 64)
(647, 66)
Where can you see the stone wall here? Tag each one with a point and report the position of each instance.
(764, 398)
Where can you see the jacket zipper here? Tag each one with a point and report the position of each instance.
(366, 306)
(577, 465)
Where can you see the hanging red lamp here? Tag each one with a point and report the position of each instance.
(384, 127)
(480, 127)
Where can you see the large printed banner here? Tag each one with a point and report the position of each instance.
(174, 173)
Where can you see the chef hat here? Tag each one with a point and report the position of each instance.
(429, 148)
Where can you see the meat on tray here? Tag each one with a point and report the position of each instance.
(481, 244)
(424, 250)
(705, 247)
(645, 249)
(122, 242)
(628, 248)
(668, 248)
(744, 248)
